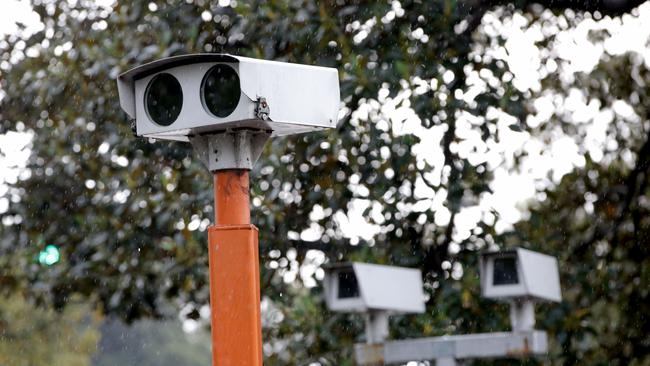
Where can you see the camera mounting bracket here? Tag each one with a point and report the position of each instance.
(522, 315)
(262, 109)
(230, 149)
(376, 326)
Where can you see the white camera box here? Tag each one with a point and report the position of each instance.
(182, 96)
(520, 273)
(363, 287)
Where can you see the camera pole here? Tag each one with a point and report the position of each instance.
(234, 274)
(233, 248)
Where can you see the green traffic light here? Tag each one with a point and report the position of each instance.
(49, 256)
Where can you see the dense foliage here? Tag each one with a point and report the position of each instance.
(129, 215)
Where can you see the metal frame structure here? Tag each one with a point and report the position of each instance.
(448, 350)
(521, 278)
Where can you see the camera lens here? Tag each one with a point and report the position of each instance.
(348, 285)
(220, 90)
(164, 99)
(505, 271)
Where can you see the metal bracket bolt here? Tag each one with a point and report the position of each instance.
(262, 109)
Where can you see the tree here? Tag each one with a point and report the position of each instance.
(602, 320)
(117, 201)
(596, 220)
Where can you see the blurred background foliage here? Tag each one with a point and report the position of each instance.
(129, 215)
(150, 342)
(28, 337)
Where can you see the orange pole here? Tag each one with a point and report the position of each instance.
(234, 274)
(231, 197)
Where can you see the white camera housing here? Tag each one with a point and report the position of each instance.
(520, 274)
(276, 97)
(363, 287)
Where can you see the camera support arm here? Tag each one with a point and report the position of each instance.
(230, 149)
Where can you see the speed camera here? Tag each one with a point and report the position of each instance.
(376, 291)
(363, 287)
(520, 273)
(183, 96)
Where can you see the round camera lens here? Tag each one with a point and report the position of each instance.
(164, 99)
(220, 90)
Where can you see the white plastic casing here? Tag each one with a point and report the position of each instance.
(538, 276)
(381, 288)
(300, 98)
